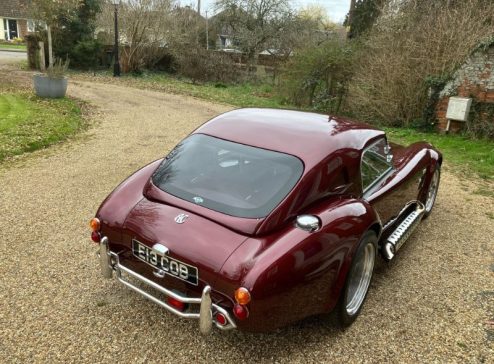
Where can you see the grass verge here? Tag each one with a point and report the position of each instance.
(19, 47)
(464, 153)
(28, 123)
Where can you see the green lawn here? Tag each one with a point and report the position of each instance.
(28, 123)
(20, 47)
(461, 152)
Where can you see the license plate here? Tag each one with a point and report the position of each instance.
(170, 266)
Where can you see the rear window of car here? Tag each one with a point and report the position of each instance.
(231, 178)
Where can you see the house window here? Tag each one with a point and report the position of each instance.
(10, 29)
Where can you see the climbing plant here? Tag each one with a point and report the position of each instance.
(480, 122)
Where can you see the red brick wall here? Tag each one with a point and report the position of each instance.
(478, 92)
(22, 27)
(474, 79)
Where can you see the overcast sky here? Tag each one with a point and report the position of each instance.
(337, 9)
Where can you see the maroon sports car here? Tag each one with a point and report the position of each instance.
(263, 217)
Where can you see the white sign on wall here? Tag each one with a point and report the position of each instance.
(458, 108)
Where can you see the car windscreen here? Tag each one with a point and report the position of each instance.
(234, 179)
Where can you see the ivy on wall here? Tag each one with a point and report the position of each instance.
(480, 122)
(435, 84)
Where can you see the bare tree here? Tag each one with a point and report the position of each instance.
(144, 27)
(255, 24)
(412, 41)
(49, 12)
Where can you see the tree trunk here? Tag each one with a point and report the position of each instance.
(42, 59)
(50, 48)
(251, 61)
(350, 18)
(350, 12)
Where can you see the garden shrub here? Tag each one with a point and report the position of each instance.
(480, 123)
(317, 77)
(202, 65)
(411, 40)
(32, 51)
(86, 54)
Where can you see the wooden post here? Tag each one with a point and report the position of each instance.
(207, 32)
(42, 65)
(448, 125)
(50, 48)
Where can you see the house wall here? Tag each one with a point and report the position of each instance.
(2, 30)
(22, 27)
(475, 78)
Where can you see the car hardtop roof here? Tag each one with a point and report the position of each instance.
(307, 135)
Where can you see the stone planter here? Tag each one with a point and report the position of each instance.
(49, 87)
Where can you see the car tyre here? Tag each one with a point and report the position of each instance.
(358, 280)
(431, 194)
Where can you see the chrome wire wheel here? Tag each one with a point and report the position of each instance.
(432, 191)
(360, 278)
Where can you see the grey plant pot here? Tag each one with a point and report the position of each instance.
(49, 87)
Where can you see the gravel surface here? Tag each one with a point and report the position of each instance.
(434, 303)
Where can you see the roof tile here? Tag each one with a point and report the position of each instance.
(13, 9)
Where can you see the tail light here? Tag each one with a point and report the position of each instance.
(220, 319)
(95, 227)
(179, 305)
(242, 296)
(96, 236)
(95, 224)
(240, 312)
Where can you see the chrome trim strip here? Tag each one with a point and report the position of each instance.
(207, 308)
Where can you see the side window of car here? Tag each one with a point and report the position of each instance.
(375, 163)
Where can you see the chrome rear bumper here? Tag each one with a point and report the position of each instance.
(110, 262)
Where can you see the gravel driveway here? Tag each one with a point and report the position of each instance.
(433, 303)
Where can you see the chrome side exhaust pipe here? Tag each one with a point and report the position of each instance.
(400, 235)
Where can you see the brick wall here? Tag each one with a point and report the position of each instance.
(22, 27)
(475, 78)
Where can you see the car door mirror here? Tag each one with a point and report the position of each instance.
(308, 223)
